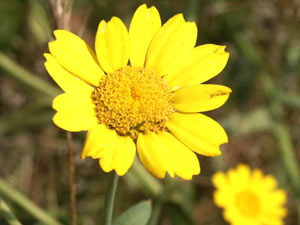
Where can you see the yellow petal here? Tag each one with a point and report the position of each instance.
(269, 182)
(112, 45)
(200, 98)
(145, 23)
(120, 158)
(205, 62)
(274, 219)
(223, 194)
(152, 154)
(198, 132)
(222, 198)
(183, 162)
(171, 45)
(219, 180)
(98, 141)
(75, 112)
(162, 152)
(278, 197)
(73, 102)
(74, 121)
(65, 80)
(76, 56)
(239, 178)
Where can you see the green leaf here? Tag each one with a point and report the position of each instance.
(138, 214)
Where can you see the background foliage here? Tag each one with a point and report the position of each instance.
(261, 116)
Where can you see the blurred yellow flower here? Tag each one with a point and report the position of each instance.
(142, 89)
(248, 197)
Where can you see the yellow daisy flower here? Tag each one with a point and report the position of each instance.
(248, 197)
(141, 90)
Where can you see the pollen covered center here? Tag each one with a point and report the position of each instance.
(133, 100)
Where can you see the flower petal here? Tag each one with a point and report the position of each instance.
(271, 219)
(145, 23)
(183, 162)
(200, 98)
(99, 140)
(73, 102)
(239, 178)
(171, 45)
(65, 80)
(74, 121)
(219, 180)
(205, 62)
(198, 132)
(152, 154)
(120, 158)
(161, 153)
(112, 45)
(76, 56)
(75, 113)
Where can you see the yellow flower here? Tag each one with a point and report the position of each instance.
(248, 197)
(141, 90)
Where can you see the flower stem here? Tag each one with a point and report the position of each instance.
(7, 214)
(110, 198)
(156, 212)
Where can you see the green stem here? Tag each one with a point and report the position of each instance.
(7, 213)
(15, 196)
(26, 77)
(110, 198)
(169, 186)
(156, 212)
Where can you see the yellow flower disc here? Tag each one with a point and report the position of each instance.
(248, 197)
(133, 100)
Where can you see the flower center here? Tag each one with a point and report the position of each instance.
(247, 203)
(133, 100)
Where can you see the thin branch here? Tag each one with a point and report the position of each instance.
(61, 11)
(72, 180)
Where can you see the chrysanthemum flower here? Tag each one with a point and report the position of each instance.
(248, 197)
(141, 90)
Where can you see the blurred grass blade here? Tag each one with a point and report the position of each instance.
(257, 120)
(7, 214)
(27, 77)
(192, 10)
(13, 195)
(290, 161)
(38, 22)
(138, 214)
(289, 99)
